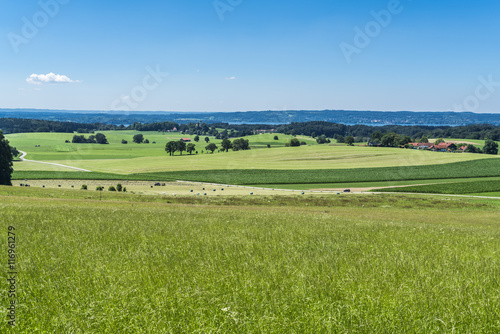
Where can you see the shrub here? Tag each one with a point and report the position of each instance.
(294, 142)
(84, 187)
(111, 188)
(119, 187)
(124, 141)
(138, 138)
(99, 188)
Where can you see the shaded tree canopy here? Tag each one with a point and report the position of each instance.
(5, 161)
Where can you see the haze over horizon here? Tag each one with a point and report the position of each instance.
(236, 55)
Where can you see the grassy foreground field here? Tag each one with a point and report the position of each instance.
(372, 263)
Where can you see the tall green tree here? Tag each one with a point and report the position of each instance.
(211, 147)
(349, 140)
(207, 139)
(241, 144)
(439, 141)
(181, 146)
(190, 148)
(226, 145)
(5, 161)
(171, 147)
(138, 138)
(101, 138)
(490, 147)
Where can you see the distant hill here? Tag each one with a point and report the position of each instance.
(260, 117)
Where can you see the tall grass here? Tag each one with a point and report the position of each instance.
(119, 267)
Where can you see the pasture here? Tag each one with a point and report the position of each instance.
(367, 263)
(133, 158)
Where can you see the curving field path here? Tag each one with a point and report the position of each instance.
(23, 154)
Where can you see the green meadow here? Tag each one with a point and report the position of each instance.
(134, 158)
(274, 264)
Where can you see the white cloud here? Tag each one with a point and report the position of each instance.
(231, 78)
(38, 79)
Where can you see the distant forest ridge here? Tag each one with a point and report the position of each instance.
(313, 129)
(349, 117)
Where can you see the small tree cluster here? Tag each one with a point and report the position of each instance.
(322, 140)
(490, 147)
(112, 188)
(138, 138)
(98, 138)
(241, 144)
(293, 142)
(390, 139)
(179, 145)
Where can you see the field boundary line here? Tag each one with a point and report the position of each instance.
(429, 194)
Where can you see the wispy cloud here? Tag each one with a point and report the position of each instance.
(231, 78)
(38, 79)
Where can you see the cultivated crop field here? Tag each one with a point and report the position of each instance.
(367, 263)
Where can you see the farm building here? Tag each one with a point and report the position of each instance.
(444, 147)
(441, 147)
(423, 146)
(186, 140)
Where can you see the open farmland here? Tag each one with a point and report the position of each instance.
(151, 158)
(259, 264)
(468, 187)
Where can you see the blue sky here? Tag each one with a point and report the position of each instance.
(238, 55)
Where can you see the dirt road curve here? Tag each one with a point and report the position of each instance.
(51, 163)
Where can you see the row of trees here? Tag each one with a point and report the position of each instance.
(328, 129)
(334, 130)
(180, 146)
(17, 125)
(490, 147)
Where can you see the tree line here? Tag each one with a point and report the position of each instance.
(180, 146)
(17, 125)
(98, 138)
(334, 130)
(392, 139)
